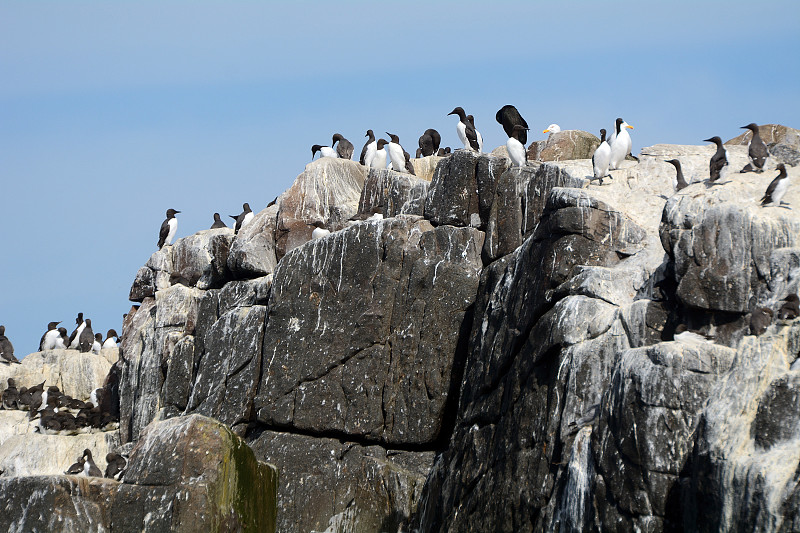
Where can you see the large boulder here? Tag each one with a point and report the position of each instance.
(327, 191)
(564, 145)
(252, 252)
(185, 474)
(462, 189)
(332, 485)
(201, 260)
(392, 193)
(364, 330)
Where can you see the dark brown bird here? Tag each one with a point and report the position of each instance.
(681, 181)
(718, 160)
(756, 150)
(790, 309)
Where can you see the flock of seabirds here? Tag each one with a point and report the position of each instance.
(58, 412)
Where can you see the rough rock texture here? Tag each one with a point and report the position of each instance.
(392, 193)
(462, 189)
(564, 145)
(185, 474)
(348, 347)
(75, 374)
(424, 167)
(201, 260)
(342, 486)
(252, 252)
(327, 191)
(29, 453)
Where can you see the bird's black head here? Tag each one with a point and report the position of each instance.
(715, 139)
(393, 137)
(337, 137)
(2, 330)
(62, 330)
(98, 336)
(314, 149)
(782, 169)
(53, 325)
(216, 217)
(79, 319)
(471, 120)
(382, 143)
(674, 162)
(458, 111)
(171, 213)
(752, 127)
(88, 322)
(111, 333)
(791, 298)
(370, 134)
(246, 207)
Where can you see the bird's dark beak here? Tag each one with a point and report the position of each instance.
(176, 212)
(707, 141)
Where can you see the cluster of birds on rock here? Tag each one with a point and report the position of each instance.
(115, 469)
(82, 339)
(762, 317)
(608, 156)
(58, 413)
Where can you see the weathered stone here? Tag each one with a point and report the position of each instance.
(36, 454)
(392, 193)
(770, 134)
(327, 191)
(228, 372)
(347, 346)
(462, 189)
(200, 260)
(154, 275)
(424, 167)
(186, 474)
(74, 373)
(177, 306)
(252, 252)
(327, 484)
(564, 145)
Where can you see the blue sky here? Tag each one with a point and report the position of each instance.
(112, 112)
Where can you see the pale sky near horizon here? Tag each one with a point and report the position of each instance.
(112, 112)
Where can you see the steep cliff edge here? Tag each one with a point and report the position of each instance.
(498, 353)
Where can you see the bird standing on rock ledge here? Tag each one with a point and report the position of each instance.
(777, 189)
(718, 161)
(168, 229)
(466, 131)
(6, 348)
(756, 150)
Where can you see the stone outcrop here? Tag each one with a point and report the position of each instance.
(500, 352)
(185, 474)
(563, 146)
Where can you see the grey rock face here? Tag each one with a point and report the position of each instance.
(564, 145)
(348, 347)
(252, 252)
(326, 484)
(327, 191)
(200, 260)
(186, 474)
(394, 193)
(462, 189)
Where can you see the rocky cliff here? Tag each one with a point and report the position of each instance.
(499, 352)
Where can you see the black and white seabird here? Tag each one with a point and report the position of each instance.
(790, 309)
(760, 320)
(6, 348)
(218, 223)
(718, 160)
(466, 131)
(471, 120)
(110, 342)
(97, 345)
(48, 341)
(168, 229)
(10, 396)
(74, 338)
(601, 158)
(243, 218)
(319, 230)
(75, 468)
(115, 465)
(408, 166)
(379, 157)
(756, 150)
(86, 337)
(324, 151)
(89, 468)
(620, 144)
(370, 147)
(509, 117)
(345, 148)
(552, 128)
(679, 174)
(396, 153)
(777, 188)
(62, 342)
(515, 146)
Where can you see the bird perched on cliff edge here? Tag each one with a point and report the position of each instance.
(466, 131)
(790, 309)
(243, 218)
(620, 143)
(379, 157)
(86, 337)
(168, 229)
(777, 188)
(552, 128)
(6, 348)
(370, 147)
(679, 174)
(62, 342)
(324, 151)
(509, 117)
(89, 468)
(601, 158)
(345, 148)
(516, 149)
(718, 160)
(478, 135)
(396, 153)
(756, 150)
(218, 223)
(760, 320)
(74, 337)
(110, 342)
(408, 166)
(48, 341)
